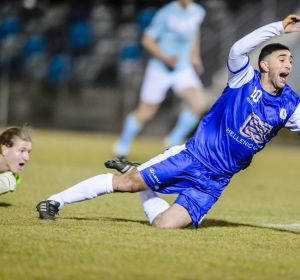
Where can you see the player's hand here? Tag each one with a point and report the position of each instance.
(171, 61)
(289, 23)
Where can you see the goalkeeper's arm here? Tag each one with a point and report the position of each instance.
(8, 182)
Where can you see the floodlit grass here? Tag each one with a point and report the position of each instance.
(245, 236)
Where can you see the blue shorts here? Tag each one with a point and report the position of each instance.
(178, 171)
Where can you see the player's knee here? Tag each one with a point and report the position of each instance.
(174, 217)
(128, 182)
(145, 112)
(144, 116)
(161, 222)
(158, 222)
(198, 104)
(123, 183)
(198, 108)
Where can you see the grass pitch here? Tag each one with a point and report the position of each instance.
(253, 232)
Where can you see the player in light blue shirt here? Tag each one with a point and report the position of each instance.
(173, 40)
(253, 107)
(174, 27)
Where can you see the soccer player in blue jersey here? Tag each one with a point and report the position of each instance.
(173, 40)
(253, 107)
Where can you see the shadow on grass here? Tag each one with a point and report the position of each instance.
(207, 223)
(221, 223)
(4, 204)
(108, 219)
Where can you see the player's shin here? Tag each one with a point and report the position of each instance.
(153, 204)
(87, 189)
(185, 124)
(130, 131)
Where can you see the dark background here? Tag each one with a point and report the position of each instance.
(79, 64)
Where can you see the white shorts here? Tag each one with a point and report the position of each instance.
(157, 82)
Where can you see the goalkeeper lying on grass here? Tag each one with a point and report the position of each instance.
(15, 146)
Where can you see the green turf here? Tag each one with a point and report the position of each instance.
(109, 238)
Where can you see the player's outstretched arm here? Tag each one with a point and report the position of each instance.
(238, 55)
(289, 24)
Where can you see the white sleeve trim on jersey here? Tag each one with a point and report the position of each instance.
(293, 123)
(241, 77)
(240, 70)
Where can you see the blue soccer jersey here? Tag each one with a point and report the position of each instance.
(241, 122)
(174, 29)
(245, 117)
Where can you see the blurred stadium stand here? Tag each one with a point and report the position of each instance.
(79, 64)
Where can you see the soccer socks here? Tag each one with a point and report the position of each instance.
(153, 204)
(186, 122)
(87, 189)
(130, 130)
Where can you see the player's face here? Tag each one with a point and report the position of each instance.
(280, 66)
(184, 3)
(17, 156)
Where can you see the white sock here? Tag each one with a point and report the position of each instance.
(87, 189)
(153, 204)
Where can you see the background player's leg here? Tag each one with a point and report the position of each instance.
(174, 217)
(188, 117)
(185, 124)
(133, 125)
(153, 92)
(131, 129)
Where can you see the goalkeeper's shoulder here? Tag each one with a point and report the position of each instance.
(8, 181)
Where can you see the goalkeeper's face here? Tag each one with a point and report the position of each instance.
(17, 156)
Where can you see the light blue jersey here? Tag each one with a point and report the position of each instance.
(174, 28)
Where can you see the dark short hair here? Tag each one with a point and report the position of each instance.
(8, 136)
(268, 49)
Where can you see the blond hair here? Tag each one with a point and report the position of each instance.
(8, 136)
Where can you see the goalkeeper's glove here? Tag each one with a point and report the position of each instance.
(8, 182)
